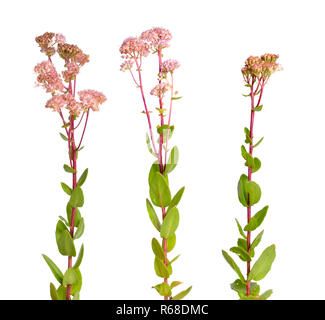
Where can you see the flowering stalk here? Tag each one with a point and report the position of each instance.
(133, 50)
(256, 73)
(64, 97)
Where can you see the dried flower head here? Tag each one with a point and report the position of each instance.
(260, 67)
(48, 77)
(134, 48)
(157, 38)
(91, 99)
(160, 90)
(68, 51)
(169, 65)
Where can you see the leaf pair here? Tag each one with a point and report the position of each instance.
(249, 192)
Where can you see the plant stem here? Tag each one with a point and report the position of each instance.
(145, 107)
(161, 164)
(74, 184)
(248, 285)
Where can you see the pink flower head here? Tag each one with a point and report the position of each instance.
(73, 106)
(134, 48)
(81, 58)
(127, 65)
(56, 102)
(91, 99)
(160, 89)
(48, 77)
(71, 72)
(59, 38)
(169, 65)
(158, 38)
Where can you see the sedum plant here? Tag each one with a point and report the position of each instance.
(74, 115)
(133, 51)
(256, 73)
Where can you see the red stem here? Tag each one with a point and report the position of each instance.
(74, 184)
(145, 107)
(161, 165)
(249, 209)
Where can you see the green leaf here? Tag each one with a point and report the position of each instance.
(154, 168)
(266, 294)
(177, 198)
(172, 160)
(65, 221)
(240, 229)
(263, 264)
(159, 191)
(243, 244)
(66, 188)
(77, 216)
(153, 216)
(77, 198)
(66, 125)
(233, 265)
(257, 220)
(80, 230)
(241, 189)
(53, 293)
(82, 178)
(176, 98)
(249, 192)
(240, 287)
(258, 108)
(182, 294)
(243, 255)
(62, 292)
(55, 270)
(175, 284)
(80, 256)
(69, 169)
(60, 227)
(161, 269)
(70, 277)
(64, 137)
(163, 130)
(77, 286)
(157, 249)
(244, 153)
(257, 164)
(248, 136)
(163, 289)
(170, 223)
(255, 145)
(149, 145)
(171, 241)
(65, 244)
(257, 240)
(175, 258)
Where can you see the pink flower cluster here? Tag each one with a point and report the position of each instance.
(169, 65)
(160, 90)
(71, 72)
(158, 38)
(260, 67)
(127, 65)
(134, 48)
(47, 42)
(91, 99)
(48, 77)
(88, 99)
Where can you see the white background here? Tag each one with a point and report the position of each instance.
(211, 39)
